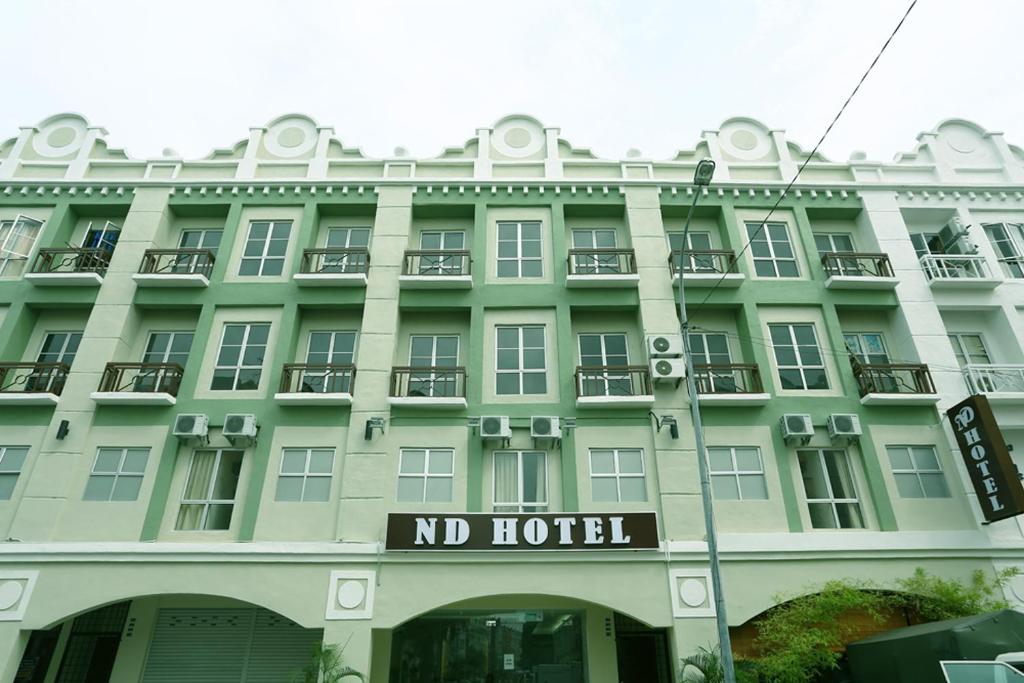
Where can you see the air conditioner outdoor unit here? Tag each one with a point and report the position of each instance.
(796, 428)
(664, 345)
(545, 427)
(844, 426)
(239, 428)
(495, 427)
(190, 426)
(665, 369)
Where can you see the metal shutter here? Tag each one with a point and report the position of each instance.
(280, 648)
(208, 645)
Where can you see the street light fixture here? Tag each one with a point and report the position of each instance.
(702, 178)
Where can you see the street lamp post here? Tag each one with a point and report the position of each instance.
(701, 179)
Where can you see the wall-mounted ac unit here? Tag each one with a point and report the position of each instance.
(844, 426)
(188, 426)
(240, 428)
(796, 428)
(545, 427)
(668, 369)
(664, 345)
(495, 427)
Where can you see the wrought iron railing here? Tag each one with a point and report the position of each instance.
(428, 382)
(731, 378)
(71, 260)
(701, 261)
(955, 266)
(335, 260)
(177, 262)
(613, 380)
(142, 378)
(436, 262)
(33, 378)
(985, 379)
(309, 378)
(893, 378)
(856, 264)
(608, 261)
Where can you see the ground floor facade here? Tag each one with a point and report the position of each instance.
(198, 612)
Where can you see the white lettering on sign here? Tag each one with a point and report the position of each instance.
(535, 531)
(618, 538)
(456, 531)
(426, 530)
(592, 531)
(565, 525)
(963, 420)
(504, 531)
(964, 417)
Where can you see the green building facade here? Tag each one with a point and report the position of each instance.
(219, 377)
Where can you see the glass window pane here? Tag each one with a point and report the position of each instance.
(413, 462)
(816, 379)
(410, 489)
(631, 462)
(787, 269)
(839, 475)
(13, 459)
(748, 460)
(258, 334)
(126, 488)
(248, 380)
(219, 517)
(135, 460)
(440, 462)
(293, 461)
(590, 345)
(934, 485)
(107, 460)
(507, 383)
(813, 475)
(533, 337)
(289, 489)
(508, 231)
(223, 380)
(532, 269)
(7, 483)
(533, 359)
(791, 379)
(632, 489)
(900, 458)
(908, 485)
(508, 359)
(849, 516)
(438, 490)
(719, 460)
(531, 231)
(318, 489)
(604, 490)
(925, 458)
(752, 487)
(724, 487)
(821, 515)
(534, 478)
(602, 462)
(321, 461)
(98, 488)
(534, 383)
(227, 475)
(508, 337)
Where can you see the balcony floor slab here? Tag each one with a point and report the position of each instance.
(133, 398)
(28, 398)
(312, 399)
(330, 279)
(622, 280)
(429, 402)
(899, 399)
(710, 279)
(642, 401)
(171, 280)
(65, 279)
(861, 282)
(435, 281)
(737, 400)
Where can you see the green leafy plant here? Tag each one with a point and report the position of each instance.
(707, 662)
(325, 666)
(933, 598)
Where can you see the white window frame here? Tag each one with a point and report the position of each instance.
(735, 472)
(1013, 265)
(170, 342)
(116, 474)
(426, 475)
(63, 347)
(860, 353)
(7, 471)
(423, 374)
(305, 475)
(6, 254)
(959, 349)
(799, 362)
(521, 370)
(521, 505)
(519, 259)
(832, 501)
(695, 264)
(109, 228)
(263, 257)
(208, 501)
(241, 355)
(832, 242)
(442, 265)
(617, 474)
(917, 471)
(607, 379)
(774, 258)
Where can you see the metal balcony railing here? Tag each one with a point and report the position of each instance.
(955, 267)
(703, 261)
(71, 260)
(894, 378)
(436, 262)
(609, 261)
(177, 262)
(142, 378)
(613, 380)
(335, 260)
(32, 378)
(856, 264)
(732, 378)
(308, 378)
(986, 379)
(428, 382)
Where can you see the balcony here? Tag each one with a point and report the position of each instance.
(175, 268)
(602, 268)
(735, 384)
(857, 270)
(436, 269)
(71, 266)
(334, 267)
(614, 386)
(1000, 383)
(304, 384)
(958, 271)
(428, 387)
(32, 384)
(139, 384)
(895, 384)
(705, 268)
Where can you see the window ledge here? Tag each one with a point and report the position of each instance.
(965, 283)
(311, 399)
(710, 279)
(738, 400)
(330, 279)
(860, 282)
(28, 399)
(133, 398)
(629, 280)
(432, 402)
(642, 401)
(171, 280)
(1008, 398)
(65, 279)
(899, 399)
(435, 281)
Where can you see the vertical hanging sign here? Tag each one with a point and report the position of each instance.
(992, 472)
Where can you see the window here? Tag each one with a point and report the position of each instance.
(838, 243)
(695, 241)
(209, 496)
(969, 349)
(17, 238)
(265, 248)
(200, 239)
(798, 356)
(329, 348)
(240, 359)
(117, 474)
(829, 488)
(520, 481)
(712, 349)
(433, 352)
(927, 243)
(772, 250)
(867, 347)
(617, 475)
(426, 475)
(1008, 241)
(737, 473)
(12, 459)
(168, 347)
(441, 240)
(608, 352)
(595, 264)
(519, 250)
(104, 238)
(917, 472)
(520, 360)
(59, 347)
(305, 474)
(347, 238)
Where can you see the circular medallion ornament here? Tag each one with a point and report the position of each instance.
(745, 139)
(351, 594)
(59, 137)
(518, 137)
(693, 593)
(10, 593)
(290, 137)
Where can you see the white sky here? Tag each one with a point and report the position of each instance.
(194, 75)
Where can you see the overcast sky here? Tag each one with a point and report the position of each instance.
(194, 75)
